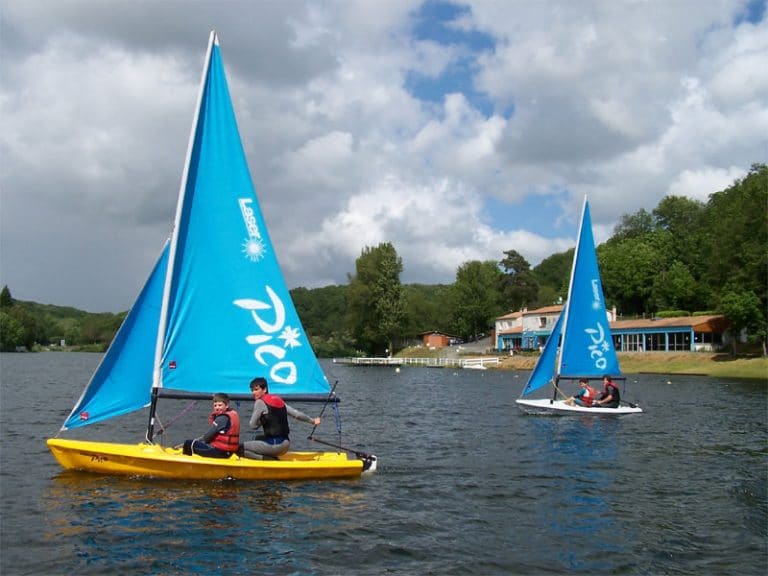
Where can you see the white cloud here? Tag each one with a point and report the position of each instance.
(626, 101)
(698, 185)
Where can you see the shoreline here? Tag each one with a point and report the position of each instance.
(706, 364)
(716, 364)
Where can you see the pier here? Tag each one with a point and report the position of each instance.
(470, 363)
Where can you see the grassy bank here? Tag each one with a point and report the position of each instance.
(699, 363)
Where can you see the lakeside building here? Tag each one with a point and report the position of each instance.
(436, 339)
(530, 329)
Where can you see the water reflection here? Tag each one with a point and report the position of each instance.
(124, 525)
(577, 460)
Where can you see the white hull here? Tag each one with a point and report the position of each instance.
(559, 406)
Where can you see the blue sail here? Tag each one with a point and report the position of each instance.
(587, 348)
(229, 316)
(122, 382)
(544, 371)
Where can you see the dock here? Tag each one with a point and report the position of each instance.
(469, 363)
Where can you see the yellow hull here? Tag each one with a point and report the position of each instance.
(153, 461)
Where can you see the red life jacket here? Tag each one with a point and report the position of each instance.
(589, 396)
(229, 440)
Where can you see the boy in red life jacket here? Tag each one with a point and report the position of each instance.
(222, 437)
(270, 413)
(585, 396)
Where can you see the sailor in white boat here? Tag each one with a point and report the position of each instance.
(222, 437)
(270, 413)
(585, 396)
(610, 397)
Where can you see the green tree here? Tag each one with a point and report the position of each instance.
(682, 219)
(426, 307)
(734, 251)
(6, 300)
(376, 302)
(475, 298)
(634, 225)
(553, 274)
(11, 332)
(320, 310)
(519, 286)
(674, 289)
(99, 328)
(31, 326)
(745, 312)
(627, 268)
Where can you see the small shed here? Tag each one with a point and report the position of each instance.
(435, 339)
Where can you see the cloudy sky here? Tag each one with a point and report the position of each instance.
(455, 130)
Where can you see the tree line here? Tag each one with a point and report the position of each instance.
(683, 257)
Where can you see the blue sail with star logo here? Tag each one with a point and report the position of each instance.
(228, 316)
(587, 345)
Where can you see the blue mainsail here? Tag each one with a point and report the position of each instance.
(586, 349)
(229, 314)
(216, 311)
(122, 382)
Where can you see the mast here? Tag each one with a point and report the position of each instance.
(569, 302)
(157, 373)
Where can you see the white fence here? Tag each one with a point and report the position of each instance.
(472, 363)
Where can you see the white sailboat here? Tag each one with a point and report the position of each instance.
(583, 335)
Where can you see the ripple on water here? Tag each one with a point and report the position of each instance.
(467, 484)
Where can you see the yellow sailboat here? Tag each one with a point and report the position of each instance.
(214, 313)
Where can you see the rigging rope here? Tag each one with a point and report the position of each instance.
(557, 389)
(327, 400)
(164, 428)
(337, 418)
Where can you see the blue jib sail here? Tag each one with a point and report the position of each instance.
(544, 371)
(122, 382)
(587, 349)
(229, 316)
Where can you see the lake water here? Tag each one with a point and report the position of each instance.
(467, 484)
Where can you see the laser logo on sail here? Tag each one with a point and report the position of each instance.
(596, 294)
(253, 246)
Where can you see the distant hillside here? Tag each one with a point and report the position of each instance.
(25, 324)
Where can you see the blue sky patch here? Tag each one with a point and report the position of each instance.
(536, 213)
(753, 12)
(433, 22)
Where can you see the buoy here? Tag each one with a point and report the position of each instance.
(397, 370)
